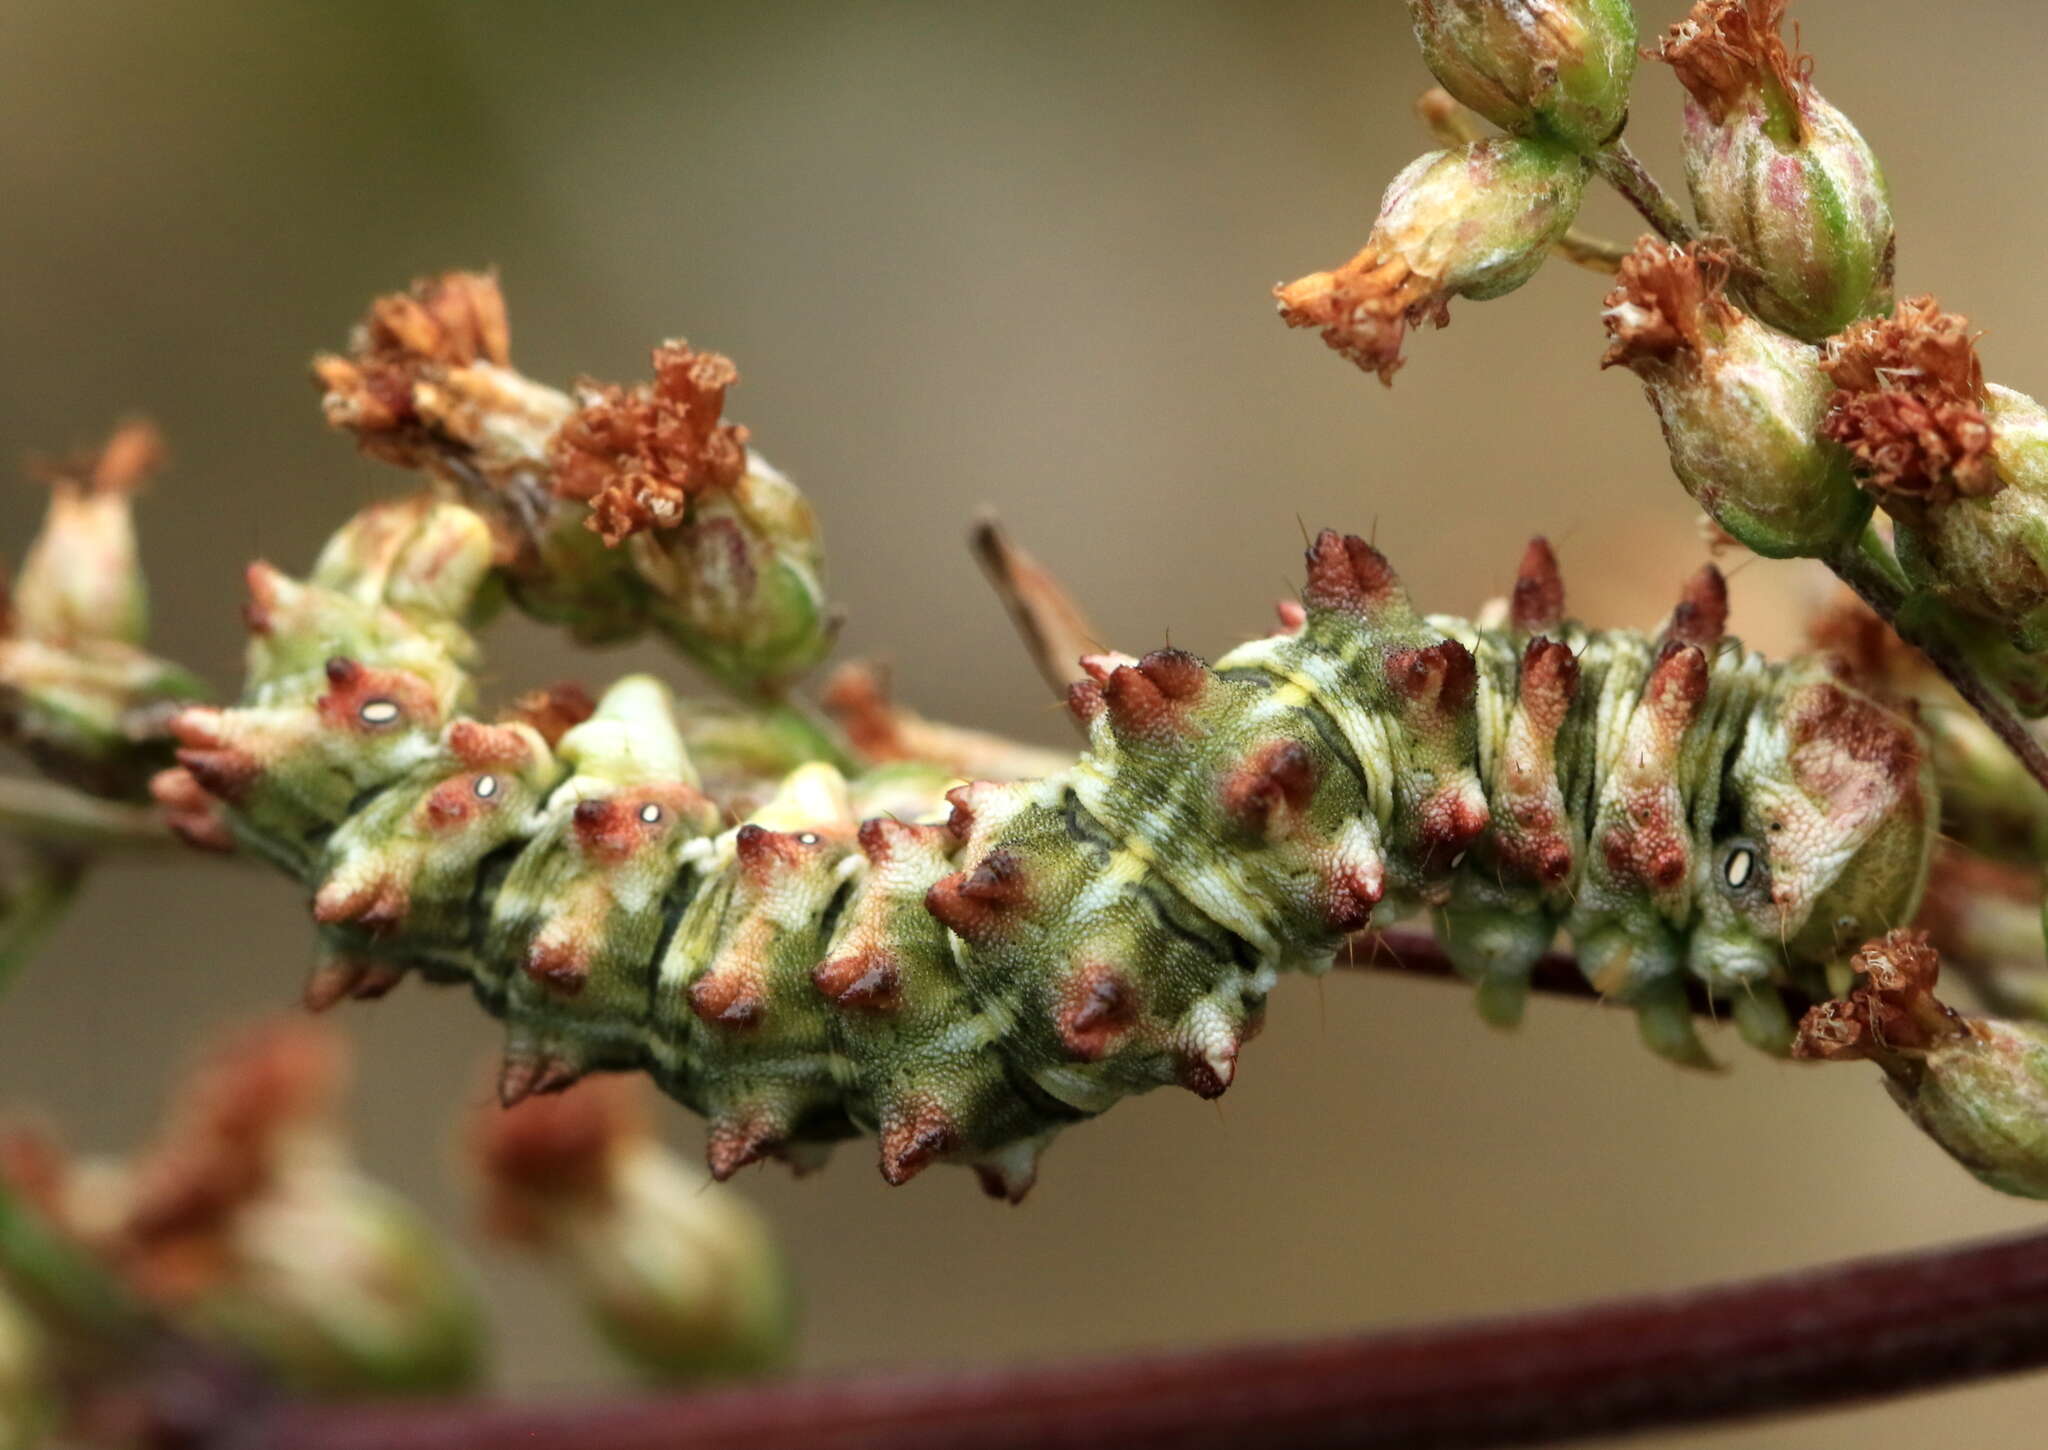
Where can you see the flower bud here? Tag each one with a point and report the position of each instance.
(1472, 221)
(1780, 173)
(681, 1277)
(1558, 69)
(727, 547)
(246, 1222)
(93, 715)
(1741, 404)
(1961, 465)
(82, 579)
(427, 558)
(1977, 1086)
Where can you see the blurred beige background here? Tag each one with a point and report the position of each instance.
(978, 254)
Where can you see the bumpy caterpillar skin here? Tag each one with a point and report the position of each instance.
(968, 982)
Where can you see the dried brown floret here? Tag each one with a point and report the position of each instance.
(1365, 308)
(1909, 404)
(1666, 300)
(408, 339)
(553, 710)
(130, 456)
(1725, 49)
(638, 455)
(222, 1149)
(552, 1148)
(1893, 1011)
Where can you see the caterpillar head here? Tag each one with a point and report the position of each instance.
(1824, 837)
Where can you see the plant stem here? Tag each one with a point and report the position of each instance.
(1594, 253)
(1864, 1330)
(66, 1288)
(1621, 170)
(1869, 570)
(35, 901)
(45, 812)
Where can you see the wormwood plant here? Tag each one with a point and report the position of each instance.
(814, 925)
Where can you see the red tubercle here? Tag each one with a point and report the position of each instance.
(1152, 700)
(1347, 895)
(345, 978)
(378, 905)
(1442, 677)
(1677, 687)
(1098, 1007)
(367, 701)
(868, 980)
(881, 838)
(560, 967)
(1347, 574)
(1549, 681)
(728, 998)
(190, 811)
(978, 904)
(1537, 603)
(914, 1136)
(1208, 1075)
(1701, 618)
(1278, 776)
(738, 1139)
(1450, 821)
(529, 1076)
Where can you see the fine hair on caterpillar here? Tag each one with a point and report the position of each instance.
(964, 969)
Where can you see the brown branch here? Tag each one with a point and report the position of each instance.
(1865, 1330)
(1051, 624)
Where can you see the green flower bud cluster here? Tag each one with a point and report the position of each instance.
(78, 692)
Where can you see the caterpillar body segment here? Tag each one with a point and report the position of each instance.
(964, 971)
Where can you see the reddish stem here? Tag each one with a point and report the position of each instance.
(1857, 1331)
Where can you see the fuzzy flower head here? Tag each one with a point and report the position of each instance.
(1741, 404)
(637, 456)
(1910, 404)
(1473, 221)
(1779, 172)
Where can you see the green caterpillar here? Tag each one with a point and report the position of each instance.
(964, 972)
